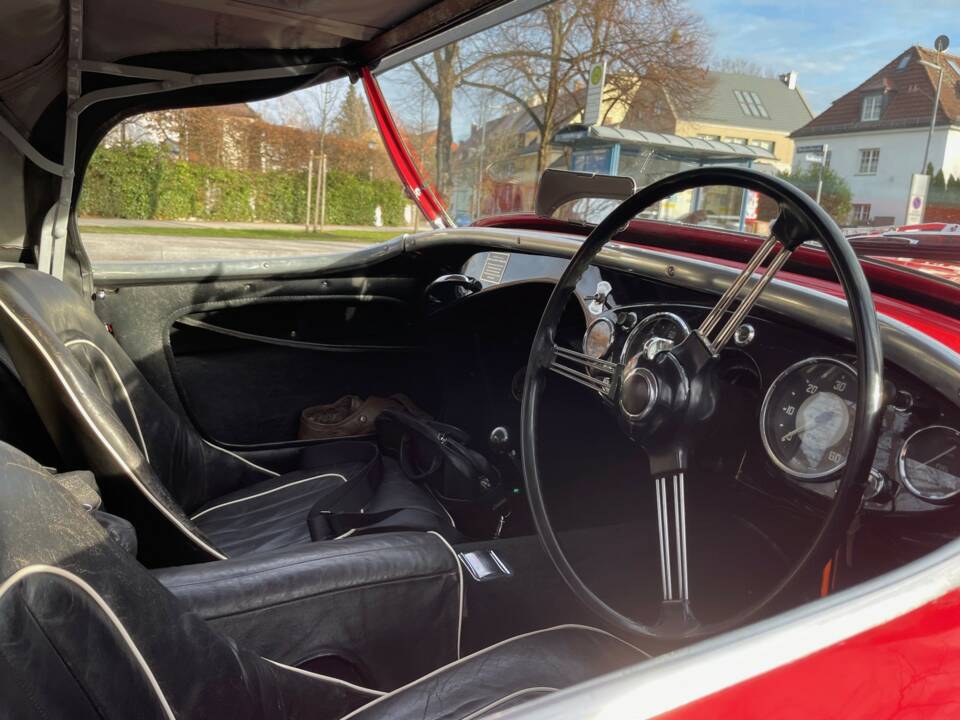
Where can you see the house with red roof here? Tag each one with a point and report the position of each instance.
(877, 132)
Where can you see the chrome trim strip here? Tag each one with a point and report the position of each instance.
(929, 360)
(680, 508)
(663, 524)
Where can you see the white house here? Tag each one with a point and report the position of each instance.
(877, 133)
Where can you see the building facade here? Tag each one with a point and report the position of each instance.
(876, 134)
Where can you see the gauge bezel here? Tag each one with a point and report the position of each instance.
(902, 470)
(821, 476)
(613, 336)
(626, 355)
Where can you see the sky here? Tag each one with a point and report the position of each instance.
(833, 44)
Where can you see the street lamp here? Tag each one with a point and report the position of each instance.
(940, 44)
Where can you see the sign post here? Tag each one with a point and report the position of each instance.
(815, 154)
(917, 200)
(598, 80)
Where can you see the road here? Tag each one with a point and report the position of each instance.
(177, 246)
(108, 247)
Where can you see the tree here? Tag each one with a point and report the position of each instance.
(742, 66)
(354, 118)
(542, 60)
(835, 197)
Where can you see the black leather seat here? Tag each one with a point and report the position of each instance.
(189, 499)
(87, 632)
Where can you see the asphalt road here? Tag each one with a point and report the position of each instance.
(122, 246)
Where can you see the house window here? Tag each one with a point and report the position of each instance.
(750, 103)
(861, 213)
(872, 107)
(767, 145)
(709, 137)
(904, 61)
(735, 140)
(869, 160)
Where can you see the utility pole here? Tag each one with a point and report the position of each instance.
(309, 190)
(940, 44)
(823, 162)
(322, 194)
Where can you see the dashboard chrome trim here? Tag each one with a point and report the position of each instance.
(927, 359)
(919, 354)
(763, 415)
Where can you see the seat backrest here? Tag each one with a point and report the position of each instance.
(87, 632)
(102, 414)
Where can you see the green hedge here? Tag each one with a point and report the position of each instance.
(143, 182)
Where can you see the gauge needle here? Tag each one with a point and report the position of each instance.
(803, 428)
(937, 457)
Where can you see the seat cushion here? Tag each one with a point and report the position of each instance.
(272, 514)
(508, 673)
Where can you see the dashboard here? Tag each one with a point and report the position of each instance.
(792, 388)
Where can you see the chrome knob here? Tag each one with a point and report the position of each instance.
(599, 300)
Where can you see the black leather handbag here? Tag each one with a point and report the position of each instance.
(439, 456)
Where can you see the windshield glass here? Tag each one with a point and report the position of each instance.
(838, 99)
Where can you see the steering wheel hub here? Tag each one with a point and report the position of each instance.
(638, 392)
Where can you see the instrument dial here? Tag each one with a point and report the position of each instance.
(598, 338)
(807, 417)
(929, 464)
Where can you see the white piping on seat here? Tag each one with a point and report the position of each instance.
(242, 459)
(106, 609)
(507, 698)
(456, 559)
(446, 667)
(128, 471)
(267, 492)
(119, 380)
(327, 678)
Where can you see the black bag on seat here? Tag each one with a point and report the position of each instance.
(438, 456)
(373, 501)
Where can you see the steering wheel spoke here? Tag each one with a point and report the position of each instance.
(716, 339)
(672, 526)
(589, 371)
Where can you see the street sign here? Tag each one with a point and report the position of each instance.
(809, 150)
(917, 200)
(598, 79)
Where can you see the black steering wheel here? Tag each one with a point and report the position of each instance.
(662, 393)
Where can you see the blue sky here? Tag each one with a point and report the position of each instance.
(833, 44)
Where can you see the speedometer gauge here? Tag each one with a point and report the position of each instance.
(806, 421)
(930, 463)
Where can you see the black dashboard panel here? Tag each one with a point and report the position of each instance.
(769, 346)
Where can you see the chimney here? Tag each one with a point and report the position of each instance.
(790, 79)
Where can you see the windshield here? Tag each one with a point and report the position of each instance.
(838, 99)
